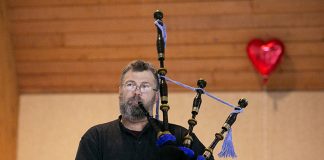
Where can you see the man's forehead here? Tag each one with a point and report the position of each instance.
(142, 76)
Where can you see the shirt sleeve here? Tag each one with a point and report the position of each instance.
(88, 148)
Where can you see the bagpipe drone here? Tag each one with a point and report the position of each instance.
(165, 140)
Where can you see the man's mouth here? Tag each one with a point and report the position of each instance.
(134, 101)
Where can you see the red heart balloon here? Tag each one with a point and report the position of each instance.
(265, 56)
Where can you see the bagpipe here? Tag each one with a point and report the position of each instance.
(165, 140)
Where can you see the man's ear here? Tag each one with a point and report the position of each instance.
(119, 89)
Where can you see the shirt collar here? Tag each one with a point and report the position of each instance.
(128, 131)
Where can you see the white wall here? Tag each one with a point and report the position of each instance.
(275, 125)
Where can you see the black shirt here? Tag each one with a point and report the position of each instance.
(112, 141)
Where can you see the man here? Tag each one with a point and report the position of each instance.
(131, 137)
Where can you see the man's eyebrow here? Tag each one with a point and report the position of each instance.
(130, 81)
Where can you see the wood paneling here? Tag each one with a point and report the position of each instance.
(176, 65)
(279, 6)
(146, 52)
(8, 92)
(23, 3)
(136, 10)
(280, 81)
(58, 43)
(231, 21)
(216, 37)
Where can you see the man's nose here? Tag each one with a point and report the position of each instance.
(138, 90)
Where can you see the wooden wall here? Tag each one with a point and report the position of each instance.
(8, 92)
(81, 45)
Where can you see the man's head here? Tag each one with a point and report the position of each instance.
(138, 82)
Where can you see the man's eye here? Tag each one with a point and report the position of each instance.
(146, 86)
(129, 84)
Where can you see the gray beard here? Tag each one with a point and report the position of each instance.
(130, 110)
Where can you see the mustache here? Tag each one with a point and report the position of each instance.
(135, 99)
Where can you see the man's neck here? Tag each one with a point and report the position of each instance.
(137, 125)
